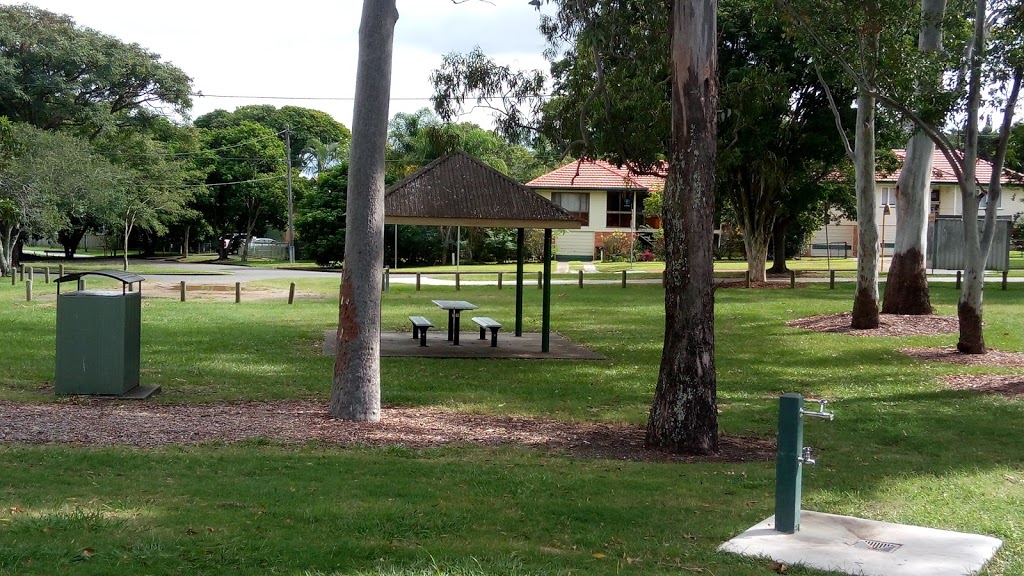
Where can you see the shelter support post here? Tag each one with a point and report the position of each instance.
(545, 335)
(520, 264)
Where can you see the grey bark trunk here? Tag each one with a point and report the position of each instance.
(8, 239)
(684, 413)
(756, 246)
(865, 302)
(906, 286)
(356, 389)
(969, 307)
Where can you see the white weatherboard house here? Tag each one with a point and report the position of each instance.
(606, 198)
(945, 201)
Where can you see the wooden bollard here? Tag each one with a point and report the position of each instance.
(540, 278)
(581, 278)
(21, 273)
(831, 279)
(31, 273)
(664, 278)
(60, 270)
(182, 290)
(623, 278)
(500, 274)
(417, 281)
(291, 293)
(14, 277)
(28, 291)
(46, 274)
(958, 272)
(238, 292)
(792, 279)
(1006, 274)
(747, 276)
(458, 283)
(81, 283)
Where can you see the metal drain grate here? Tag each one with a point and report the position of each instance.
(877, 546)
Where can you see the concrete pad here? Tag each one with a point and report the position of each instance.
(865, 547)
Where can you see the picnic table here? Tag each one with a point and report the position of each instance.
(454, 307)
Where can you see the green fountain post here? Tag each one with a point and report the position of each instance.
(788, 469)
(790, 457)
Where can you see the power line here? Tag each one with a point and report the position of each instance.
(219, 183)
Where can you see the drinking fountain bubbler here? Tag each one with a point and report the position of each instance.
(790, 456)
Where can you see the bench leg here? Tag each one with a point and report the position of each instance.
(494, 337)
(483, 333)
(423, 337)
(415, 332)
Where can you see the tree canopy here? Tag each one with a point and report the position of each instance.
(55, 74)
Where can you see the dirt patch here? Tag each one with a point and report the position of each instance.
(104, 422)
(888, 325)
(770, 285)
(1007, 385)
(221, 292)
(951, 355)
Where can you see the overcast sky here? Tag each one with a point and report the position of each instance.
(307, 48)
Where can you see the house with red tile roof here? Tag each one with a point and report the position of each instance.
(945, 201)
(605, 197)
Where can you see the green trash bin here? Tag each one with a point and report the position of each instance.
(99, 337)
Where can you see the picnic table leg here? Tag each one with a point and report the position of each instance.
(494, 337)
(451, 321)
(456, 327)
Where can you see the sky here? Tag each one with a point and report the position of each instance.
(305, 49)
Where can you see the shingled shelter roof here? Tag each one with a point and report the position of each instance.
(459, 190)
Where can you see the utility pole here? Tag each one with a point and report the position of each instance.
(291, 212)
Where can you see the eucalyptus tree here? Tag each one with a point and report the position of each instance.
(355, 393)
(634, 65)
(906, 286)
(993, 62)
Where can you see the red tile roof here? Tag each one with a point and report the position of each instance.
(597, 175)
(942, 173)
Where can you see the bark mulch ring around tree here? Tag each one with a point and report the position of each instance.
(1008, 385)
(91, 422)
(888, 325)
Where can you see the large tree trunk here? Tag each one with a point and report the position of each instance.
(779, 242)
(865, 302)
(972, 340)
(756, 245)
(684, 413)
(8, 240)
(70, 239)
(906, 286)
(356, 390)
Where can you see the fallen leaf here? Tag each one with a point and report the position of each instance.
(599, 555)
(191, 532)
(694, 569)
(780, 567)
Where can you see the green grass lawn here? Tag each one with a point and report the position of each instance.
(903, 448)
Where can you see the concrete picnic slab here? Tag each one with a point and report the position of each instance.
(402, 344)
(867, 547)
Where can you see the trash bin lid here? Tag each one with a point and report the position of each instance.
(126, 278)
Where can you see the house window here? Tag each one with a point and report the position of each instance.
(888, 196)
(935, 202)
(575, 203)
(621, 208)
(983, 202)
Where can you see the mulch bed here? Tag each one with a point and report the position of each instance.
(951, 355)
(888, 325)
(90, 422)
(1007, 385)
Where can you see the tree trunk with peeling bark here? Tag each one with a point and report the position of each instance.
(756, 246)
(684, 413)
(906, 287)
(865, 302)
(356, 389)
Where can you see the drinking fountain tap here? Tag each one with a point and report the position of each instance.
(790, 457)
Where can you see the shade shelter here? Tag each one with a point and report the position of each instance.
(459, 190)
